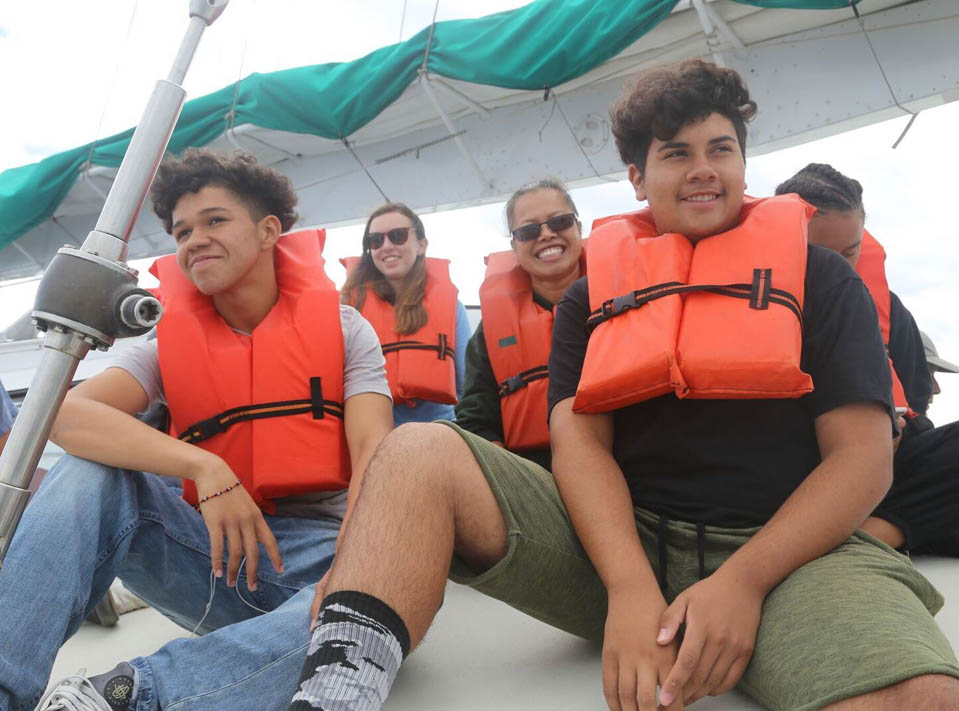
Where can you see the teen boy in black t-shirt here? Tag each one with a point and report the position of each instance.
(712, 460)
(797, 610)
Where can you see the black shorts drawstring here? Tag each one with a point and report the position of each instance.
(663, 557)
(663, 585)
(701, 548)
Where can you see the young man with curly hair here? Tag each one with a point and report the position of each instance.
(275, 392)
(701, 480)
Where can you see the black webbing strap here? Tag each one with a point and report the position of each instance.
(762, 287)
(516, 382)
(760, 294)
(442, 347)
(315, 406)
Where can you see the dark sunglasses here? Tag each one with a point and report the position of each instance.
(559, 223)
(397, 235)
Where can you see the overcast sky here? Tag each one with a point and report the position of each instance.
(73, 71)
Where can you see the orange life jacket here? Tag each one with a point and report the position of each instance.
(721, 319)
(518, 334)
(269, 403)
(420, 365)
(871, 268)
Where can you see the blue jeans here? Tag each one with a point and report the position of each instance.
(89, 524)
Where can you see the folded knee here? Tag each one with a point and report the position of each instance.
(74, 479)
(419, 453)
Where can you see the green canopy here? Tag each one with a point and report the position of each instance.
(538, 46)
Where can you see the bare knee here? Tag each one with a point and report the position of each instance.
(929, 692)
(433, 462)
(421, 455)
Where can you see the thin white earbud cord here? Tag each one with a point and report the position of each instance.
(209, 604)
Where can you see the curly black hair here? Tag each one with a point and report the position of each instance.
(263, 190)
(824, 187)
(665, 99)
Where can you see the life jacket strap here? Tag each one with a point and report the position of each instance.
(442, 347)
(315, 406)
(516, 382)
(760, 294)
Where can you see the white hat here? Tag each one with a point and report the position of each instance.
(932, 356)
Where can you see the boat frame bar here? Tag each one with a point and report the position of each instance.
(89, 296)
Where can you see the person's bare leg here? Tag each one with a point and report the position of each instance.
(423, 497)
(930, 692)
(888, 533)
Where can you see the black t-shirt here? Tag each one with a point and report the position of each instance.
(734, 462)
(909, 356)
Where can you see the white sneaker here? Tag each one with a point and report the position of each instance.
(75, 693)
(125, 601)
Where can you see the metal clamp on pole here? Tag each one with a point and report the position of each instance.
(89, 296)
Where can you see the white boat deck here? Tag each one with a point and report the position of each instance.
(479, 655)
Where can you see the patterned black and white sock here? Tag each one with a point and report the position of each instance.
(354, 655)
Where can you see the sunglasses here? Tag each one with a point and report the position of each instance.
(559, 223)
(397, 235)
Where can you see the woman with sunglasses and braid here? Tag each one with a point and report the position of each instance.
(504, 400)
(411, 303)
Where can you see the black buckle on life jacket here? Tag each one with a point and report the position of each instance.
(443, 347)
(207, 428)
(512, 384)
(619, 304)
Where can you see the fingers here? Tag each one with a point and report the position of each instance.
(733, 676)
(216, 548)
(252, 552)
(646, 690)
(711, 669)
(672, 618)
(269, 543)
(611, 683)
(235, 546)
(629, 689)
(687, 660)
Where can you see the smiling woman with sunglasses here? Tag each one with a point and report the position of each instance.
(412, 304)
(504, 400)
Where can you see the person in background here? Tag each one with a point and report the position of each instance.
(411, 303)
(504, 399)
(935, 363)
(920, 514)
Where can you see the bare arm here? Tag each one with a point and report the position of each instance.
(96, 422)
(368, 418)
(597, 498)
(3, 440)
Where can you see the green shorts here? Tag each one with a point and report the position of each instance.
(855, 620)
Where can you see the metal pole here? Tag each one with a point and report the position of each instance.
(88, 296)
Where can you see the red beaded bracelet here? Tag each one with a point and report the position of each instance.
(213, 496)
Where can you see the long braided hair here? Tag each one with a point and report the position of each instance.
(826, 188)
